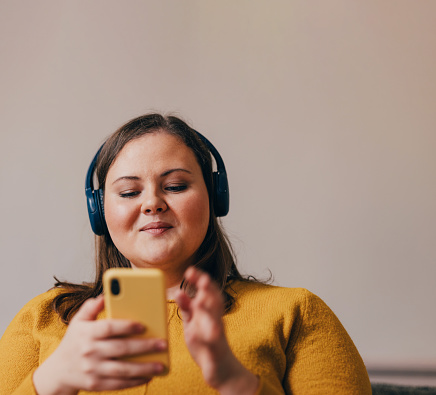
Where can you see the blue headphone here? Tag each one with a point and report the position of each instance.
(94, 197)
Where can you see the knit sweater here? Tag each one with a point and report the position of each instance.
(286, 336)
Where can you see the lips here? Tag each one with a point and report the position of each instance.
(156, 228)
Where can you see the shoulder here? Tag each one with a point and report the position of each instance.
(297, 304)
(38, 311)
(291, 313)
(245, 291)
(305, 327)
(43, 300)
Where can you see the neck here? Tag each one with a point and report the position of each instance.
(171, 292)
(173, 281)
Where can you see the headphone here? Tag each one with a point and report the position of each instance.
(94, 197)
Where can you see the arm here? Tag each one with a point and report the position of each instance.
(88, 356)
(85, 358)
(19, 354)
(322, 358)
(206, 340)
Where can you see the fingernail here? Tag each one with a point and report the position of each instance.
(161, 345)
(158, 368)
(139, 328)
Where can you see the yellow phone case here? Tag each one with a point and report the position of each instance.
(140, 296)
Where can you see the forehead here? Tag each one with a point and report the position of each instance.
(157, 151)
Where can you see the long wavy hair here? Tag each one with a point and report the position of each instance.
(214, 256)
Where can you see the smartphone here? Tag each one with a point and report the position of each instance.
(139, 295)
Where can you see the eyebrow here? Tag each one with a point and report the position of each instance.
(133, 178)
(164, 174)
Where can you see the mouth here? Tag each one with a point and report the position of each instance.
(156, 228)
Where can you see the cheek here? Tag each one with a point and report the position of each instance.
(117, 216)
(196, 214)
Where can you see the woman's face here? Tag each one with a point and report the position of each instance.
(156, 203)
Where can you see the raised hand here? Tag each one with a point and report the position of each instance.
(86, 358)
(206, 340)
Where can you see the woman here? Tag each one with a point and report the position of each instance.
(232, 335)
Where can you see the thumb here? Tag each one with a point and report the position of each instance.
(184, 303)
(90, 309)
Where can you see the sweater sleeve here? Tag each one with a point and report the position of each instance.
(19, 350)
(322, 358)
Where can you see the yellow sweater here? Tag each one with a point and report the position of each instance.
(286, 336)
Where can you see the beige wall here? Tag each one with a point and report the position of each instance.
(324, 112)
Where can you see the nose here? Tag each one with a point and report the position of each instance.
(153, 203)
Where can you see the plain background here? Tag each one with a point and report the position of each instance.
(324, 113)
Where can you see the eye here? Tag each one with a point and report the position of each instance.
(176, 188)
(129, 194)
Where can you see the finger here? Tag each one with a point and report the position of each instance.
(192, 275)
(117, 348)
(183, 300)
(208, 296)
(129, 370)
(201, 280)
(204, 282)
(184, 303)
(90, 309)
(103, 329)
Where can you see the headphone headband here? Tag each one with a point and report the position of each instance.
(95, 201)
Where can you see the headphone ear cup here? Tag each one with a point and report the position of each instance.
(221, 194)
(100, 221)
(93, 210)
(94, 201)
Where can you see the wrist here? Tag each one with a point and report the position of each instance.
(45, 384)
(241, 381)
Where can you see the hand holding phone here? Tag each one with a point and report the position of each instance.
(139, 295)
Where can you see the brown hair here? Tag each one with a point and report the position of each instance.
(214, 256)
